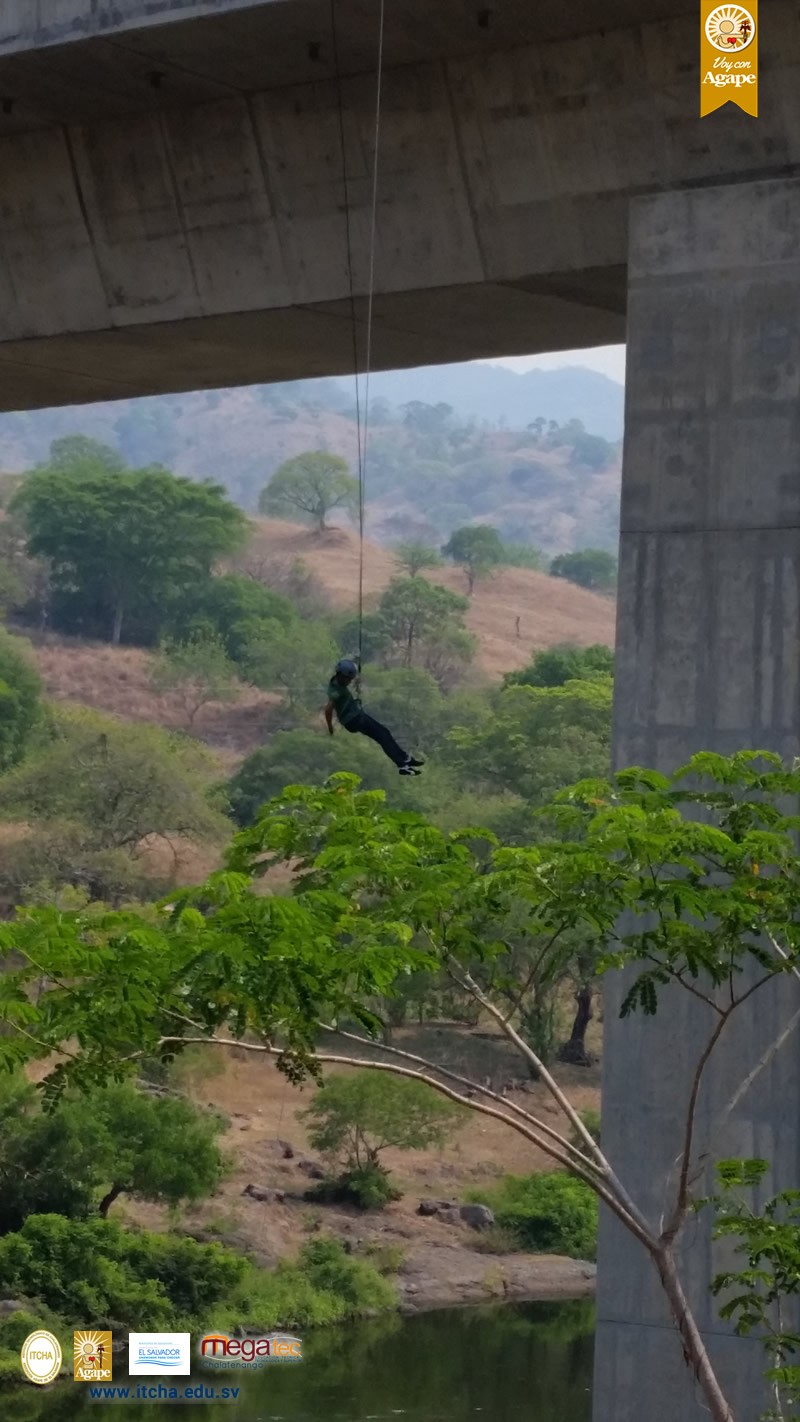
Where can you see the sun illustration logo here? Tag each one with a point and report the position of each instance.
(92, 1353)
(730, 28)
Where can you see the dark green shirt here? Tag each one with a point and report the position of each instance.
(345, 704)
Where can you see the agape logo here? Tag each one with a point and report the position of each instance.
(730, 28)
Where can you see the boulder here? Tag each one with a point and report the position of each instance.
(312, 1169)
(282, 1148)
(8, 1306)
(449, 1214)
(477, 1216)
(432, 1207)
(264, 1194)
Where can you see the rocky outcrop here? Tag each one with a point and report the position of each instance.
(476, 1216)
(264, 1194)
(448, 1274)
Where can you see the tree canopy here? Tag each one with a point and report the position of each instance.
(478, 548)
(120, 783)
(414, 611)
(354, 1118)
(562, 663)
(414, 556)
(588, 567)
(536, 737)
(123, 545)
(114, 1140)
(198, 671)
(20, 690)
(310, 485)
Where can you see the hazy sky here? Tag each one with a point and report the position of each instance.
(609, 360)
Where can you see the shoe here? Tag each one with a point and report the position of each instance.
(415, 763)
(407, 770)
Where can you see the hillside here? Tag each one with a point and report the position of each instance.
(117, 679)
(550, 610)
(432, 466)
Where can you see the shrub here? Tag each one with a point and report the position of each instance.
(354, 1117)
(15, 1329)
(495, 1240)
(19, 699)
(549, 1213)
(591, 1120)
(94, 1270)
(368, 1187)
(324, 1285)
(387, 1258)
(89, 1150)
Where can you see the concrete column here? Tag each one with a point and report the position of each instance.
(708, 646)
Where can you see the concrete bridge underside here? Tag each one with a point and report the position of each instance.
(171, 203)
(171, 217)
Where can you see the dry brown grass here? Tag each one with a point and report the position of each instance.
(117, 680)
(263, 1106)
(550, 610)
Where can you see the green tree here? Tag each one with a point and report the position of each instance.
(536, 740)
(588, 451)
(353, 1118)
(95, 1268)
(549, 1213)
(122, 546)
(767, 1238)
(690, 883)
(72, 453)
(296, 661)
(478, 548)
(198, 670)
(20, 689)
(447, 652)
(413, 610)
(588, 567)
(408, 698)
(565, 662)
(90, 1150)
(119, 783)
(297, 757)
(523, 555)
(231, 607)
(310, 485)
(413, 557)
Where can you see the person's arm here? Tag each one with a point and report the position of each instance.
(329, 717)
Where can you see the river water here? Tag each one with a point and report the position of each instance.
(506, 1363)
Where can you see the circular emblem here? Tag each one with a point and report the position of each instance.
(41, 1356)
(730, 28)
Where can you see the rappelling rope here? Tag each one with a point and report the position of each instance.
(362, 437)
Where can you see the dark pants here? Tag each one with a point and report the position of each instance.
(367, 726)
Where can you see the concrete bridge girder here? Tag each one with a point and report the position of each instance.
(217, 229)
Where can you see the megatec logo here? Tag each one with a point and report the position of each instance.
(150, 1354)
(219, 1351)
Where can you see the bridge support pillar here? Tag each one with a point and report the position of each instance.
(708, 655)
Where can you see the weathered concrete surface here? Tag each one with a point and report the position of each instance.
(707, 658)
(192, 234)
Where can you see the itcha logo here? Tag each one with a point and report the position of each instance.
(220, 1351)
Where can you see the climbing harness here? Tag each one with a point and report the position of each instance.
(362, 426)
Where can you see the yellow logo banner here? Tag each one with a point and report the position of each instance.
(728, 56)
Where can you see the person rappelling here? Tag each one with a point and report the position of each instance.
(352, 717)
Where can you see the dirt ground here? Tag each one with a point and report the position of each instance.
(441, 1264)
